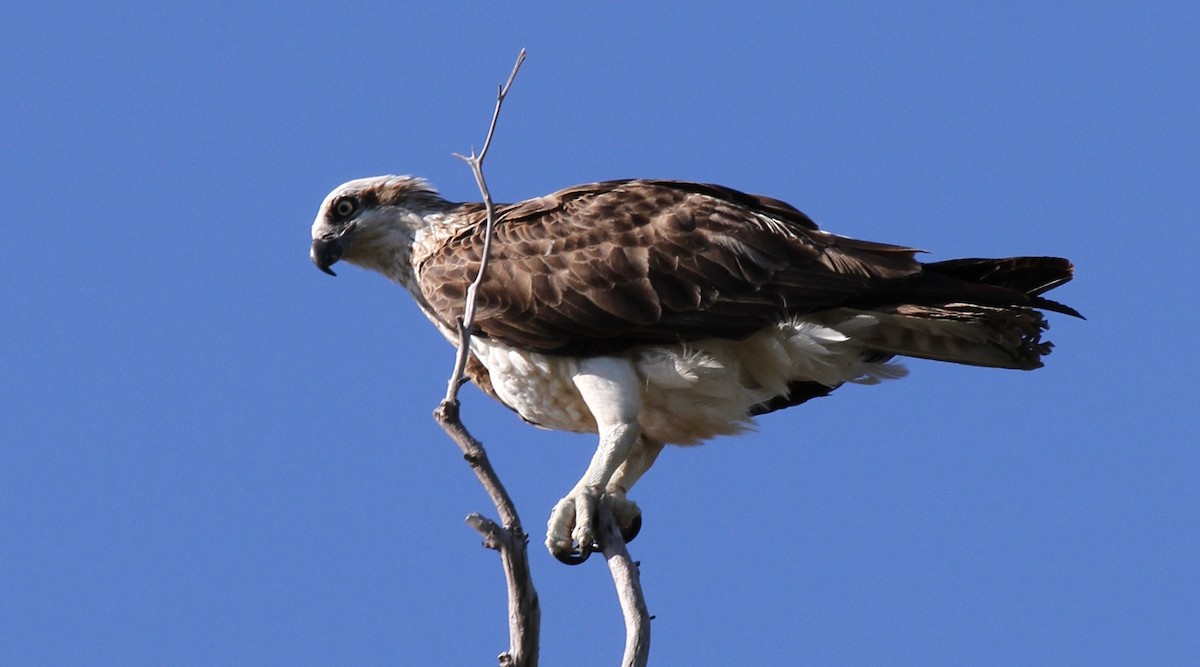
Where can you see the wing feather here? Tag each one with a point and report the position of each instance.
(600, 267)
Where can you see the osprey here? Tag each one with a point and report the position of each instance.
(663, 312)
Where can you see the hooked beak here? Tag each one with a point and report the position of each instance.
(326, 251)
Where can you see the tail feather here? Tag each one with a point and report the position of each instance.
(982, 312)
(1028, 275)
(958, 333)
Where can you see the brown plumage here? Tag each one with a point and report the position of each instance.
(600, 268)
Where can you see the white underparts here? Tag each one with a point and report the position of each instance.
(691, 391)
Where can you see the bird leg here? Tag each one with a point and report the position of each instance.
(610, 388)
(626, 512)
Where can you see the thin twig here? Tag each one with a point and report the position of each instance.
(476, 163)
(524, 611)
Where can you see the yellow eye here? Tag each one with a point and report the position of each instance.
(345, 207)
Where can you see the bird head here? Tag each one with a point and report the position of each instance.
(371, 222)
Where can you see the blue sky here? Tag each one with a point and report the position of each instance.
(211, 453)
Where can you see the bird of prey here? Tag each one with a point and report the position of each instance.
(655, 312)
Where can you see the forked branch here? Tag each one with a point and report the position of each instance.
(510, 540)
(524, 611)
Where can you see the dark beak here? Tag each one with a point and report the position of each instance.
(326, 251)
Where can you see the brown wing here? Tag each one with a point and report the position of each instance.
(602, 267)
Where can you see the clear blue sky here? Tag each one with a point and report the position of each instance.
(211, 453)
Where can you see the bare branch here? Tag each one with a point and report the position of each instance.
(524, 611)
(474, 454)
(627, 580)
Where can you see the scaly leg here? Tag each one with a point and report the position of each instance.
(610, 388)
(627, 513)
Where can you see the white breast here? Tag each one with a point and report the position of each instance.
(690, 391)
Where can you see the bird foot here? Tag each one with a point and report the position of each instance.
(574, 524)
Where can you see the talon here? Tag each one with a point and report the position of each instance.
(570, 536)
(574, 557)
(571, 531)
(634, 528)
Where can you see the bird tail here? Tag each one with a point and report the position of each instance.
(982, 312)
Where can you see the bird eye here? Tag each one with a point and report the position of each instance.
(345, 207)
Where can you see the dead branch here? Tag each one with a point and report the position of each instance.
(510, 540)
(627, 580)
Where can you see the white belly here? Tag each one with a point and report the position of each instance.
(691, 391)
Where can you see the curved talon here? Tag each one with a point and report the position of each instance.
(578, 556)
(574, 557)
(574, 531)
(634, 528)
